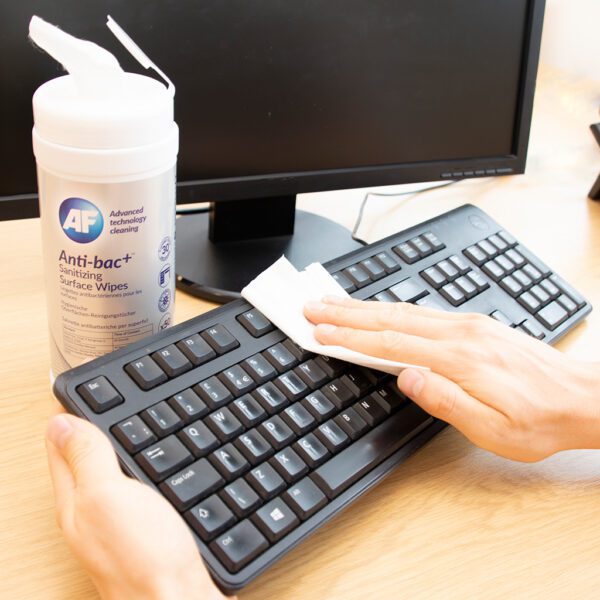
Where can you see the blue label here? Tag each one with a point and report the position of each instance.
(80, 219)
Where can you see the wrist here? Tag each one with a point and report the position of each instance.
(582, 421)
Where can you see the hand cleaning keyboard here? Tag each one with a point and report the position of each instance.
(255, 441)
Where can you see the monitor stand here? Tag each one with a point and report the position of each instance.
(218, 253)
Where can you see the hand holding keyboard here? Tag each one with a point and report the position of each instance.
(257, 442)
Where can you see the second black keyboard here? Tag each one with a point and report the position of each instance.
(257, 442)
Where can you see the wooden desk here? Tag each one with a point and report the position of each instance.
(453, 521)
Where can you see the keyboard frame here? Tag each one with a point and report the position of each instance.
(112, 366)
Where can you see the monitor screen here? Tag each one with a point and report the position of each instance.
(279, 88)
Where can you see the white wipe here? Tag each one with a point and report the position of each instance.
(280, 293)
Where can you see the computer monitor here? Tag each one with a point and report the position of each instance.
(280, 97)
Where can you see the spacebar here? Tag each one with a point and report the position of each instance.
(351, 464)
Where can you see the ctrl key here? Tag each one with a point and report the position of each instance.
(239, 546)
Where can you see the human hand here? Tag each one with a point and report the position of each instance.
(129, 538)
(504, 390)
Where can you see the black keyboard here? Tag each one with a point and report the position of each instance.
(257, 442)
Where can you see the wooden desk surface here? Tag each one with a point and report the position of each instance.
(453, 521)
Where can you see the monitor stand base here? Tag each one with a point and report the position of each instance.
(218, 272)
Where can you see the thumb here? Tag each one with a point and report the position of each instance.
(446, 400)
(86, 451)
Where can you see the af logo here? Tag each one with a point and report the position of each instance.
(80, 220)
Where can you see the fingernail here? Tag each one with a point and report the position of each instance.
(316, 306)
(59, 430)
(326, 328)
(334, 300)
(411, 382)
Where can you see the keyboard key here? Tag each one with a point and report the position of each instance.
(433, 301)
(229, 462)
(356, 460)
(390, 264)
(453, 294)
(550, 288)
(371, 411)
(331, 366)
(300, 353)
(409, 290)
(224, 424)
(421, 245)
(522, 278)
(407, 253)
(345, 282)
(567, 304)
(373, 268)
(305, 498)
(505, 263)
(277, 433)
(532, 272)
(319, 405)
(475, 254)
(133, 434)
(188, 405)
(534, 261)
(292, 386)
(384, 296)
(552, 315)
(272, 399)
(511, 285)
(479, 280)
(198, 438)
(488, 248)
(459, 263)
(359, 380)
(265, 480)
(509, 239)
(352, 423)
(289, 465)
(162, 419)
(541, 294)
(255, 322)
(259, 368)
(210, 517)
(146, 373)
(311, 450)
(311, 373)
(338, 393)
(433, 241)
(434, 277)
(196, 350)
(275, 519)
(254, 447)
(568, 290)
(248, 410)
(390, 398)
(499, 316)
(164, 458)
(172, 361)
(332, 435)
(280, 357)
(357, 275)
(493, 269)
(468, 288)
(237, 380)
(515, 257)
(100, 395)
(530, 327)
(219, 339)
(191, 484)
(240, 497)
(213, 392)
(498, 242)
(529, 302)
(239, 546)
(298, 418)
(448, 269)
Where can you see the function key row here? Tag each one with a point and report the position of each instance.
(383, 263)
(173, 360)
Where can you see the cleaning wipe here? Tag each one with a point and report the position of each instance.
(280, 293)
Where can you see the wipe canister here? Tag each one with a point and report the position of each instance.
(105, 144)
